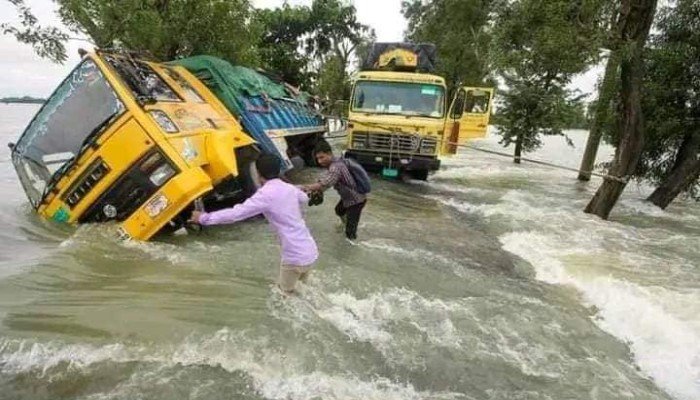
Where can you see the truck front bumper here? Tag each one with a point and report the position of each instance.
(377, 161)
(177, 193)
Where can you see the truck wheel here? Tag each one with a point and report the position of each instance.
(419, 175)
(178, 222)
(247, 173)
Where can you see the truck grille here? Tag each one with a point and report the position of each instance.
(400, 143)
(128, 192)
(84, 184)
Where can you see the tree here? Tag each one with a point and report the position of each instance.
(332, 84)
(313, 47)
(337, 32)
(336, 37)
(632, 30)
(606, 94)
(167, 29)
(283, 31)
(462, 32)
(601, 114)
(48, 42)
(671, 104)
(540, 47)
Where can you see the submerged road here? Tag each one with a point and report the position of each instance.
(487, 282)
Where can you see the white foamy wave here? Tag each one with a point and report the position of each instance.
(513, 204)
(322, 386)
(279, 375)
(160, 251)
(532, 359)
(275, 374)
(461, 189)
(369, 319)
(665, 347)
(104, 238)
(648, 209)
(22, 356)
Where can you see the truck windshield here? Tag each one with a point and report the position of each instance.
(417, 99)
(77, 112)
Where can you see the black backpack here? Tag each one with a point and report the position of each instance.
(360, 176)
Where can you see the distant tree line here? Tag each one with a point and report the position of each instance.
(23, 99)
(647, 106)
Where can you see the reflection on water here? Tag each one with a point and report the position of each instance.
(485, 283)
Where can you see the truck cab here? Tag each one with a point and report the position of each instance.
(396, 121)
(131, 141)
(399, 120)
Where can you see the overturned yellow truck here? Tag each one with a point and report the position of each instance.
(399, 120)
(139, 143)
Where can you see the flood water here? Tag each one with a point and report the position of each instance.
(487, 282)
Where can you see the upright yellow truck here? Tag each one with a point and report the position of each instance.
(399, 122)
(131, 141)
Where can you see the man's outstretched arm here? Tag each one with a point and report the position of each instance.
(327, 180)
(255, 205)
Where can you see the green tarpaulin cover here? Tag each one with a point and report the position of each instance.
(230, 83)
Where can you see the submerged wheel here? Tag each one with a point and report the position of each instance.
(419, 175)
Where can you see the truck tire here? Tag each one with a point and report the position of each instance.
(419, 175)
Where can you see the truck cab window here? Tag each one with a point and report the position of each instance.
(477, 102)
(75, 113)
(404, 98)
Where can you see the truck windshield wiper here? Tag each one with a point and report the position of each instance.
(87, 142)
(128, 70)
(95, 133)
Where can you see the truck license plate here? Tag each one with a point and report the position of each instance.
(390, 172)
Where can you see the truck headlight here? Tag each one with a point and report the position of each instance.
(156, 205)
(359, 141)
(164, 121)
(428, 146)
(162, 174)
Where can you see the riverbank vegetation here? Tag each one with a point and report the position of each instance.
(22, 100)
(648, 100)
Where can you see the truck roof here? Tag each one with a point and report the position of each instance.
(395, 76)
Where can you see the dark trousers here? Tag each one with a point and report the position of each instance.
(352, 217)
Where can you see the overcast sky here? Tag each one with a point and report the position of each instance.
(24, 73)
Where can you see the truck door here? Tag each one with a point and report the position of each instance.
(468, 117)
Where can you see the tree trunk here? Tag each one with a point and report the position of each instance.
(686, 170)
(606, 94)
(632, 31)
(518, 148)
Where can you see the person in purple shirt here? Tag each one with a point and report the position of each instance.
(281, 204)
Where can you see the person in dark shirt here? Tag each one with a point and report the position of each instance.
(351, 203)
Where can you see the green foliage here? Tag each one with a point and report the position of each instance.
(671, 100)
(332, 83)
(334, 42)
(279, 48)
(579, 117)
(461, 30)
(313, 46)
(540, 45)
(48, 42)
(337, 32)
(167, 29)
(531, 110)
(671, 97)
